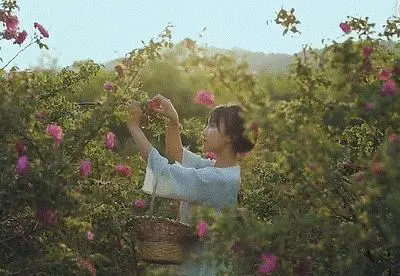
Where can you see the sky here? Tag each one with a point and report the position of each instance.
(103, 30)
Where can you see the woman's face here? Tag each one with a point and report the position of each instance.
(213, 139)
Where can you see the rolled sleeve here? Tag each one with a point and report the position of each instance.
(205, 185)
(192, 160)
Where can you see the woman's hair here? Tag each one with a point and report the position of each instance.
(231, 116)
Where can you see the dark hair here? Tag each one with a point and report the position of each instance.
(231, 115)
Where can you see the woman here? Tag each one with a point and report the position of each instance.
(191, 178)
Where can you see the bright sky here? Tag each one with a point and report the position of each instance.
(103, 30)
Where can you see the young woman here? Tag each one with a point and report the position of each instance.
(192, 178)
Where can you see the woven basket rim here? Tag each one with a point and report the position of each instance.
(162, 219)
(151, 228)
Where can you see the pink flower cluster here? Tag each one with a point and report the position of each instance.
(211, 155)
(125, 170)
(389, 86)
(11, 31)
(110, 141)
(269, 263)
(139, 203)
(205, 97)
(346, 28)
(56, 132)
(108, 86)
(22, 166)
(202, 229)
(42, 30)
(392, 137)
(85, 168)
(89, 235)
(46, 216)
(88, 264)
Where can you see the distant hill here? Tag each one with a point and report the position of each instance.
(258, 61)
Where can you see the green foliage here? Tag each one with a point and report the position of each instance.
(319, 191)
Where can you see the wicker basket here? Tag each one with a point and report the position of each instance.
(163, 240)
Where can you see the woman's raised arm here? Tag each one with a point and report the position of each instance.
(173, 141)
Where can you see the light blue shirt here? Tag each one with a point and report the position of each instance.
(195, 180)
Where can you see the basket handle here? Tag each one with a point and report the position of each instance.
(153, 197)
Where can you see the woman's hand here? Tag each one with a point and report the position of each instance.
(164, 106)
(135, 113)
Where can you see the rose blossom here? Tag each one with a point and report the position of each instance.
(9, 34)
(108, 86)
(21, 37)
(392, 137)
(211, 155)
(359, 176)
(139, 203)
(367, 51)
(389, 87)
(110, 141)
(22, 166)
(385, 74)
(85, 168)
(41, 29)
(202, 229)
(55, 131)
(89, 235)
(20, 147)
(206, 98)
(124, 170)
(370, 106)
(269, 263)
(345, 27)
(88, 264)
(46, 216)
(11, 22)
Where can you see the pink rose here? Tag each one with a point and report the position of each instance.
(22, 166)
(269, 263)
(370, 106)
(389, 87)
(124, 170)
(46, 216)
(345, 27)
(206, 98)
(312, 166)
(140, 203)
(202, 229)
(40, 115)
(367, 51)
(21, 37)
(385, 74)
(89, 235)
(55, 131)
(108, 86)
(378, 168)
(42, 30)
(110, 141)
(11, 22)
(359, 176)
(89, 265)
(85, 168)
(9, 34)
(20, 147)
(392, 137)
(211, 155)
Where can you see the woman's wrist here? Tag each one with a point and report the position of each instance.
(174, 123)
(133, 125)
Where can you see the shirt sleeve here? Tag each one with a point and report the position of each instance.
(192, 160)
(204, 185)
